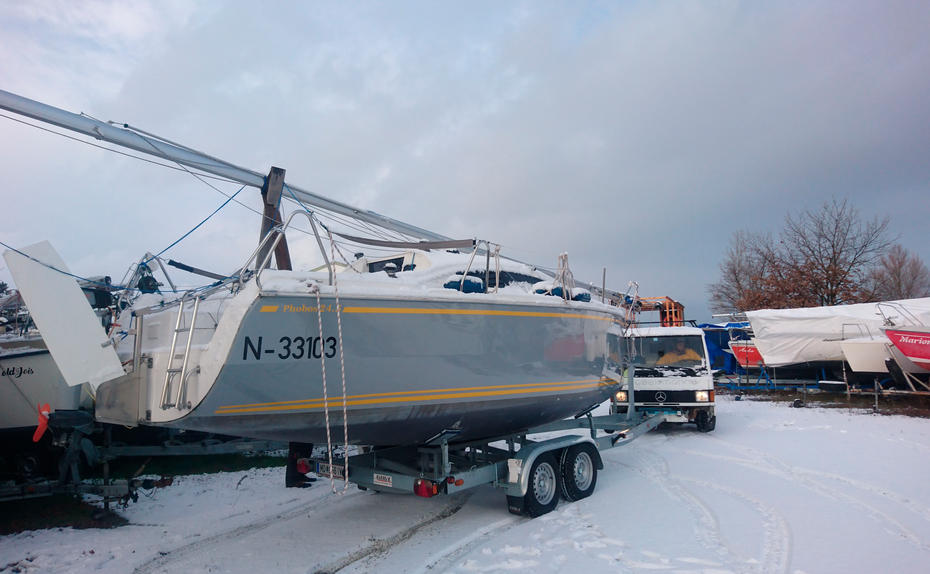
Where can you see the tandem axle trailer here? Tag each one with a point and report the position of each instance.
(534, 473)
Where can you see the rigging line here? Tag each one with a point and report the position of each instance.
(363, 227)
(169, 166)
(208, 159)
(322, 212)
(313, 215)
(383, 233)
(334, 247)
(326, 213)
(387, 232)
(197, 175)
(160, 253)
(182, 166)
(53, 268)
(358, 225)
(367, 248)
(355, 225)
(89, 282)
(162, 139)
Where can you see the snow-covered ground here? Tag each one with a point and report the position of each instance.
(773, 489)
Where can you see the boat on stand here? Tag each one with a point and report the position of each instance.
(913, 343)
(31, 386)
(429, 339)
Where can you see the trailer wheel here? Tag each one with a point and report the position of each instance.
(579, 471)
(542, 496)
(705, 421)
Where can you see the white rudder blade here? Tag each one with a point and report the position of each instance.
(70, 328)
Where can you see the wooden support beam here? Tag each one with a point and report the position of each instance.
(271, 216)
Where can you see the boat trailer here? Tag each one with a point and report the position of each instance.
(74, 432)
(533, 476)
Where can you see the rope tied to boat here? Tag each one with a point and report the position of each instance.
(315, 288)
(342, 368)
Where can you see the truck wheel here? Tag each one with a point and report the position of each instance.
(705, 421)
(579, 471)
(542, 495)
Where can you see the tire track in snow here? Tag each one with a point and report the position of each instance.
(707, 526)
(776, 544)
(179, 553)
(447, 557)
(777, 537)
(384, 545)
(814, 481)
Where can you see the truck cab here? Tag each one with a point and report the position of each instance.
(671, 375)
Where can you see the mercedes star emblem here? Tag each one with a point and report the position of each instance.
(660, 397)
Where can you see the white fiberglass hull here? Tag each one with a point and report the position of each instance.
(28, 378)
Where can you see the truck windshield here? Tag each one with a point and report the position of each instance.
(668, 351)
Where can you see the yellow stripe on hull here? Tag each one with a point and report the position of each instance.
(418, 396)
(486, 312)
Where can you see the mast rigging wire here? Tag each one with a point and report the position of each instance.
(169, 166)
(178, 240)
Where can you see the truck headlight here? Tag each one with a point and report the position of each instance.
(702, 396)
(620, 396)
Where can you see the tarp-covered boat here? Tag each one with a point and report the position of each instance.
(810, 334)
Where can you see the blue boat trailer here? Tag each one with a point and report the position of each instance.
(534, 473)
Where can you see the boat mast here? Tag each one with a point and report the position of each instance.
(145, 143)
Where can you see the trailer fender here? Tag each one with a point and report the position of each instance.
(518, 476)
(598, 463)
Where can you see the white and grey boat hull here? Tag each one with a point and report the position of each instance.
(413, 369)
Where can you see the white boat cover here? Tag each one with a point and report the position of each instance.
(790, 336)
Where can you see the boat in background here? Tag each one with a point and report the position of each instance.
(747, 354)
(913, 343)
(816, 334)
(29, 376)
(30, 384)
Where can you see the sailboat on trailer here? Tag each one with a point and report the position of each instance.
(418, 345)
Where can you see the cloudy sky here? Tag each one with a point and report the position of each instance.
(636, 136)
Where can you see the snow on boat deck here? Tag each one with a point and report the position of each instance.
(773, 489)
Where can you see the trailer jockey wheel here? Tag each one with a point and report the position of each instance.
(579, 471)
(542, 494)
(704, 421)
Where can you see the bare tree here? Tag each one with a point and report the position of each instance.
(821, 257)
(740, 272)
(837, 250)
(900, 275)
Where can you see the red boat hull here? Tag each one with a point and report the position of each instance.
(746, 353)
(915, 345)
